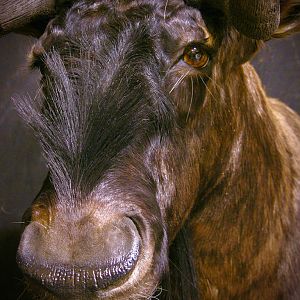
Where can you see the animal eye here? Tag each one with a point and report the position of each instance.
(195, 56)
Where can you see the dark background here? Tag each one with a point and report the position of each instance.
(22, 169)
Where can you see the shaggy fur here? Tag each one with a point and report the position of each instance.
(204, 163)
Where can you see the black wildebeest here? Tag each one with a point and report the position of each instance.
(170, 169)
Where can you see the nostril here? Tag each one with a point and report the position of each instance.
(94, 258)
(40, 213)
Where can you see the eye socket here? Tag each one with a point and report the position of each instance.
(195, 56)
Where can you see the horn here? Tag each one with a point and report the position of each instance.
(16, 14)
(257, 19)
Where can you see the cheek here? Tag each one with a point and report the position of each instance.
(187, 93)
(177, 179)
(186, 187)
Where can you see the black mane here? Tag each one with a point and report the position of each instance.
(95, 106)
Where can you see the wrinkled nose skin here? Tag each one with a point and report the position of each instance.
(79, 258)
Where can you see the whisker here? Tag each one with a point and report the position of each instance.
(5, 211)
(208, 89)
(46, 227)
(183, 275)
(213, 81)
(157, 293)
(178, 81)
(165, 10)
(22, 293)
(192, 96)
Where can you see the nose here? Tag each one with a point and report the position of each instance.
(79, 257)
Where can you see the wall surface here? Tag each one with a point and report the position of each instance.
(22, 169)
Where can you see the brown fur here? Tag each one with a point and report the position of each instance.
(211, 165)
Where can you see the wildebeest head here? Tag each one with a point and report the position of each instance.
(137, 121)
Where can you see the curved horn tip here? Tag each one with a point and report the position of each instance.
(256, 19)
(15, 14)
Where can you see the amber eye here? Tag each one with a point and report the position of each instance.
(194, 56)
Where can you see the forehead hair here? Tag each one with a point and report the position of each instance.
(103, 99)
(88, 21)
